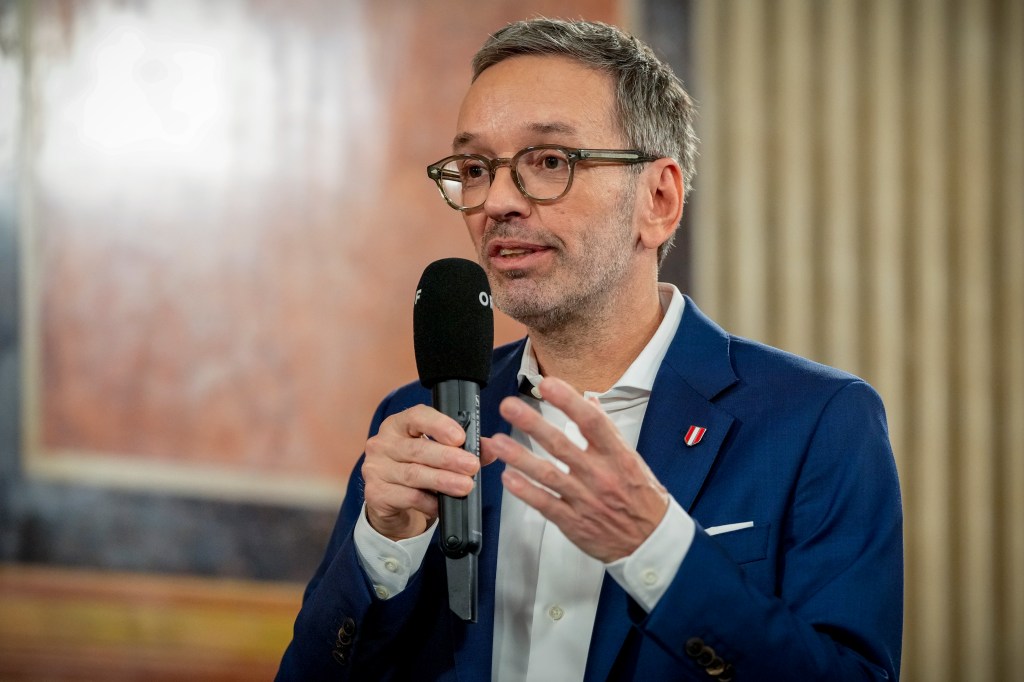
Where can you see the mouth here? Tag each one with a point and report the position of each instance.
(512, 251)
(514, 254)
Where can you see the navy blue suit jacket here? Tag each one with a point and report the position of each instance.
(812, 591)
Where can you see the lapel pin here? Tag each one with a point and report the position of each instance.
(694, 435)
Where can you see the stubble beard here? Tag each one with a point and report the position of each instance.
(577, 293)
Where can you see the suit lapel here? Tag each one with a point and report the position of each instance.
(696, 368)
(681, 468)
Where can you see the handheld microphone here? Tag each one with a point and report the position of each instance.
(453, 335)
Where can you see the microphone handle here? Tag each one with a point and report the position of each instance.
(460, 517)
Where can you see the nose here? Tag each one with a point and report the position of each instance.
(504, 200)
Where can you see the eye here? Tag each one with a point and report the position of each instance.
(552, 162)
(472, 170)
(544, 162)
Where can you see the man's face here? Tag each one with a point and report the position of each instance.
(550, 263)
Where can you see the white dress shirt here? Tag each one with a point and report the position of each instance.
(546, 589)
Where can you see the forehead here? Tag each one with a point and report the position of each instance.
(522, 99)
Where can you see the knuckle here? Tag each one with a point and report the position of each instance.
(372, 446)
(409, 416)
(417, 410)
(421, 449)
(567, 450)
(549, 477)
(404, 423)
(370, 475)
(420, 416)
(605, 484)
(391, 423)
(591, 419)
(406, 476)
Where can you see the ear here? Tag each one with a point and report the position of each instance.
(660, 192)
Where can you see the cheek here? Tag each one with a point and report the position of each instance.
(596, 198)
(586, 216)
(475, 223)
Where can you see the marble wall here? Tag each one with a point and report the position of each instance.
(212, 220)
(214, 217)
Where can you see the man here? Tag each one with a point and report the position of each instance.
(666, 501)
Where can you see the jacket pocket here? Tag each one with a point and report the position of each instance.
(745, 545)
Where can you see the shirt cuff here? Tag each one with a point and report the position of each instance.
(646, 573)
(387, 563)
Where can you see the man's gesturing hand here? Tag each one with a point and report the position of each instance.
(414, 455)
(608, 502)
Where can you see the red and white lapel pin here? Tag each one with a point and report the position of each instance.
(694, 435)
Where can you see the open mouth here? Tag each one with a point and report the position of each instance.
(513, 250)
(518, 256)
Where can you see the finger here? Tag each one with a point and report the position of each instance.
(594, 425)
(548, 436)
(422, 477)
(487, 454)
(436, 480)
(386, 448)
(550, 506)
(439, 456)
(423, 420)
(539, 470)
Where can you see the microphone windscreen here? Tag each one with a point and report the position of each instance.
(453, 323)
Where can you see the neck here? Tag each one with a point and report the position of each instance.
(592, 351)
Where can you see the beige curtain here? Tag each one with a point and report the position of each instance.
(860, 200)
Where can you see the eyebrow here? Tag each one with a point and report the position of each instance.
(554, 127)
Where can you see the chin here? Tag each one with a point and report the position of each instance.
(529, 310)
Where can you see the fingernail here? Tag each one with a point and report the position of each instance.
(512, 408)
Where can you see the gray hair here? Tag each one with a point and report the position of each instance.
(655, 112)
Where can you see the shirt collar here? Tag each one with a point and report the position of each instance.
(638, 379)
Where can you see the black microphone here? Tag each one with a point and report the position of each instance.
(453, 334)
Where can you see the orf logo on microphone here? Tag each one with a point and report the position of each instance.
(417, 299)
(484, 298)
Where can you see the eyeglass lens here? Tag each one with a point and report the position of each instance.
(543, 173)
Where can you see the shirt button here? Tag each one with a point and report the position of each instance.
(391, 564)
(381, 591)
(556, 613)
(650, 578)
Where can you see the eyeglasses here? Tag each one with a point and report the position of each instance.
(542, 173)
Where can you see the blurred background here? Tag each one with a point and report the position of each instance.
(213, 216)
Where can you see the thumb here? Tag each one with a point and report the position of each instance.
(487, 455)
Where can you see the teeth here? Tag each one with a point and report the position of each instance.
(512, 252)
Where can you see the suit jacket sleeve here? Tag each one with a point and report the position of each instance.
(343, 631)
